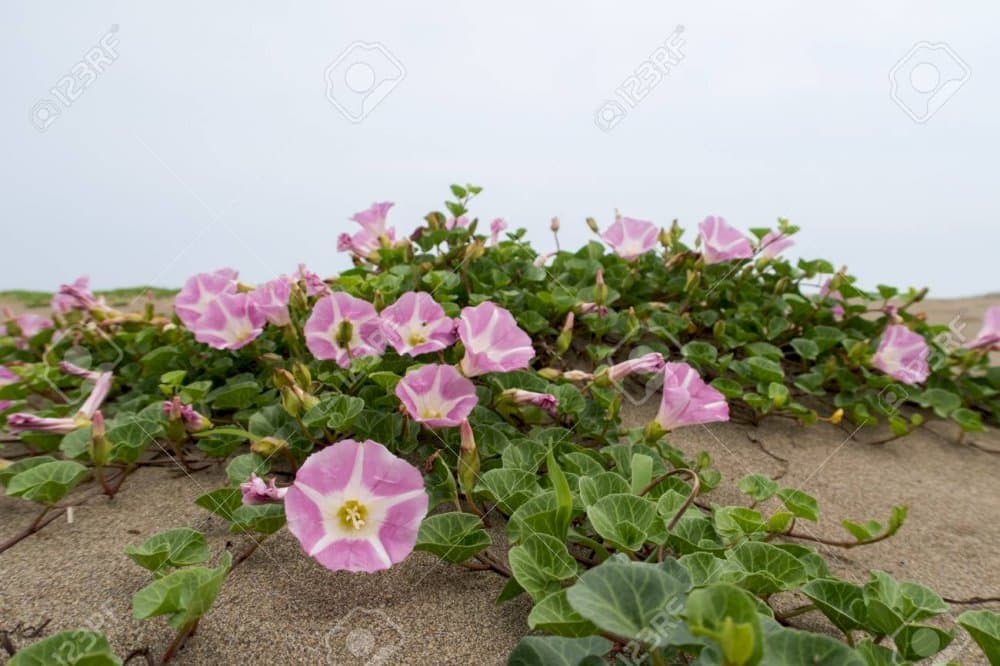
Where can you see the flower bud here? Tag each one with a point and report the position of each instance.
(592, 223)
(550, 374)
(665, 240)
(100, 447)
(468, 460)
(268, 446)
(474, 251)
(554, 226)
(837, 416)
(719, 328)
(566, 335)
(578, 376)
(601, 292)
(379, 301)
(300, 371)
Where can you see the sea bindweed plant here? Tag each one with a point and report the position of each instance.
(452, 380)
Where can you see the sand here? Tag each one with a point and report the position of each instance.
(281, 607)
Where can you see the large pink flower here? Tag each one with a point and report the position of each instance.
(271, 298)
(200, 290)
(416, 324)
(631, 238)
(342, 327)
(230, 321)
(373, 219)
(722, 242)
(902, 354)
(493, 341)
(688, 400)
(774, 243)
(437, 395)
(356, 507)
(989, 334)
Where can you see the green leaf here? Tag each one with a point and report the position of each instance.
(242, 466)
(179, 547)
(593, 488)
(728, 616)
(759, 487)
(766, 569)
(337, 412)
(728, 387)
(801, 504)
(942, 402)
(841, 602)
(642, 471)
(790, 647)
(183, 596)
(238, 395)
(540, 564)
(765, 370)
(265, 518)
(706, 569)
(557, 651)
(12, 470)
(453, 536)
(968, 420)
(624, 597)
(805, 348)
(221, 501)
(48, 482)
(984, 627)
(564, 499)
(920, 641)
(700, 352)
(68, 648)
(625, 520)
(507, 488)
(555, 615)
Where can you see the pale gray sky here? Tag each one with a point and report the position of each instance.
(209, 140)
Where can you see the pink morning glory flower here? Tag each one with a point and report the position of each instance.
(372, 220)
(688, 400)
(631, 238)
(364, 243)
(455, 223)
(193, 421)
(271, 299)
(544, 401)
(989, 334)
(77, 371)
(722, 242)
(356, 507)
(493, 341)
(774, 243)
(437, 395)
(651, 362)
(200, 290)
(25, 422)
(314, 283)
(256, 491)
(342, 327)
(902, 354)
(838, 308)
(63, 302)
(497, 227)
(231, 321)
(32, 324)
(416, 324)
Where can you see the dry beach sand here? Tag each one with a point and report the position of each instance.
(281, 607)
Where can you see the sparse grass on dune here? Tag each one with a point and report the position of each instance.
(115, 297)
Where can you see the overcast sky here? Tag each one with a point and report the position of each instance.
(202, 134)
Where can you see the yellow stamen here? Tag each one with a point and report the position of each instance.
(353, 515)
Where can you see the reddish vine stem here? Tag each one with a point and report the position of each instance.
(695, 489)
(972, 600)
(179, 641)
(835, 543)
